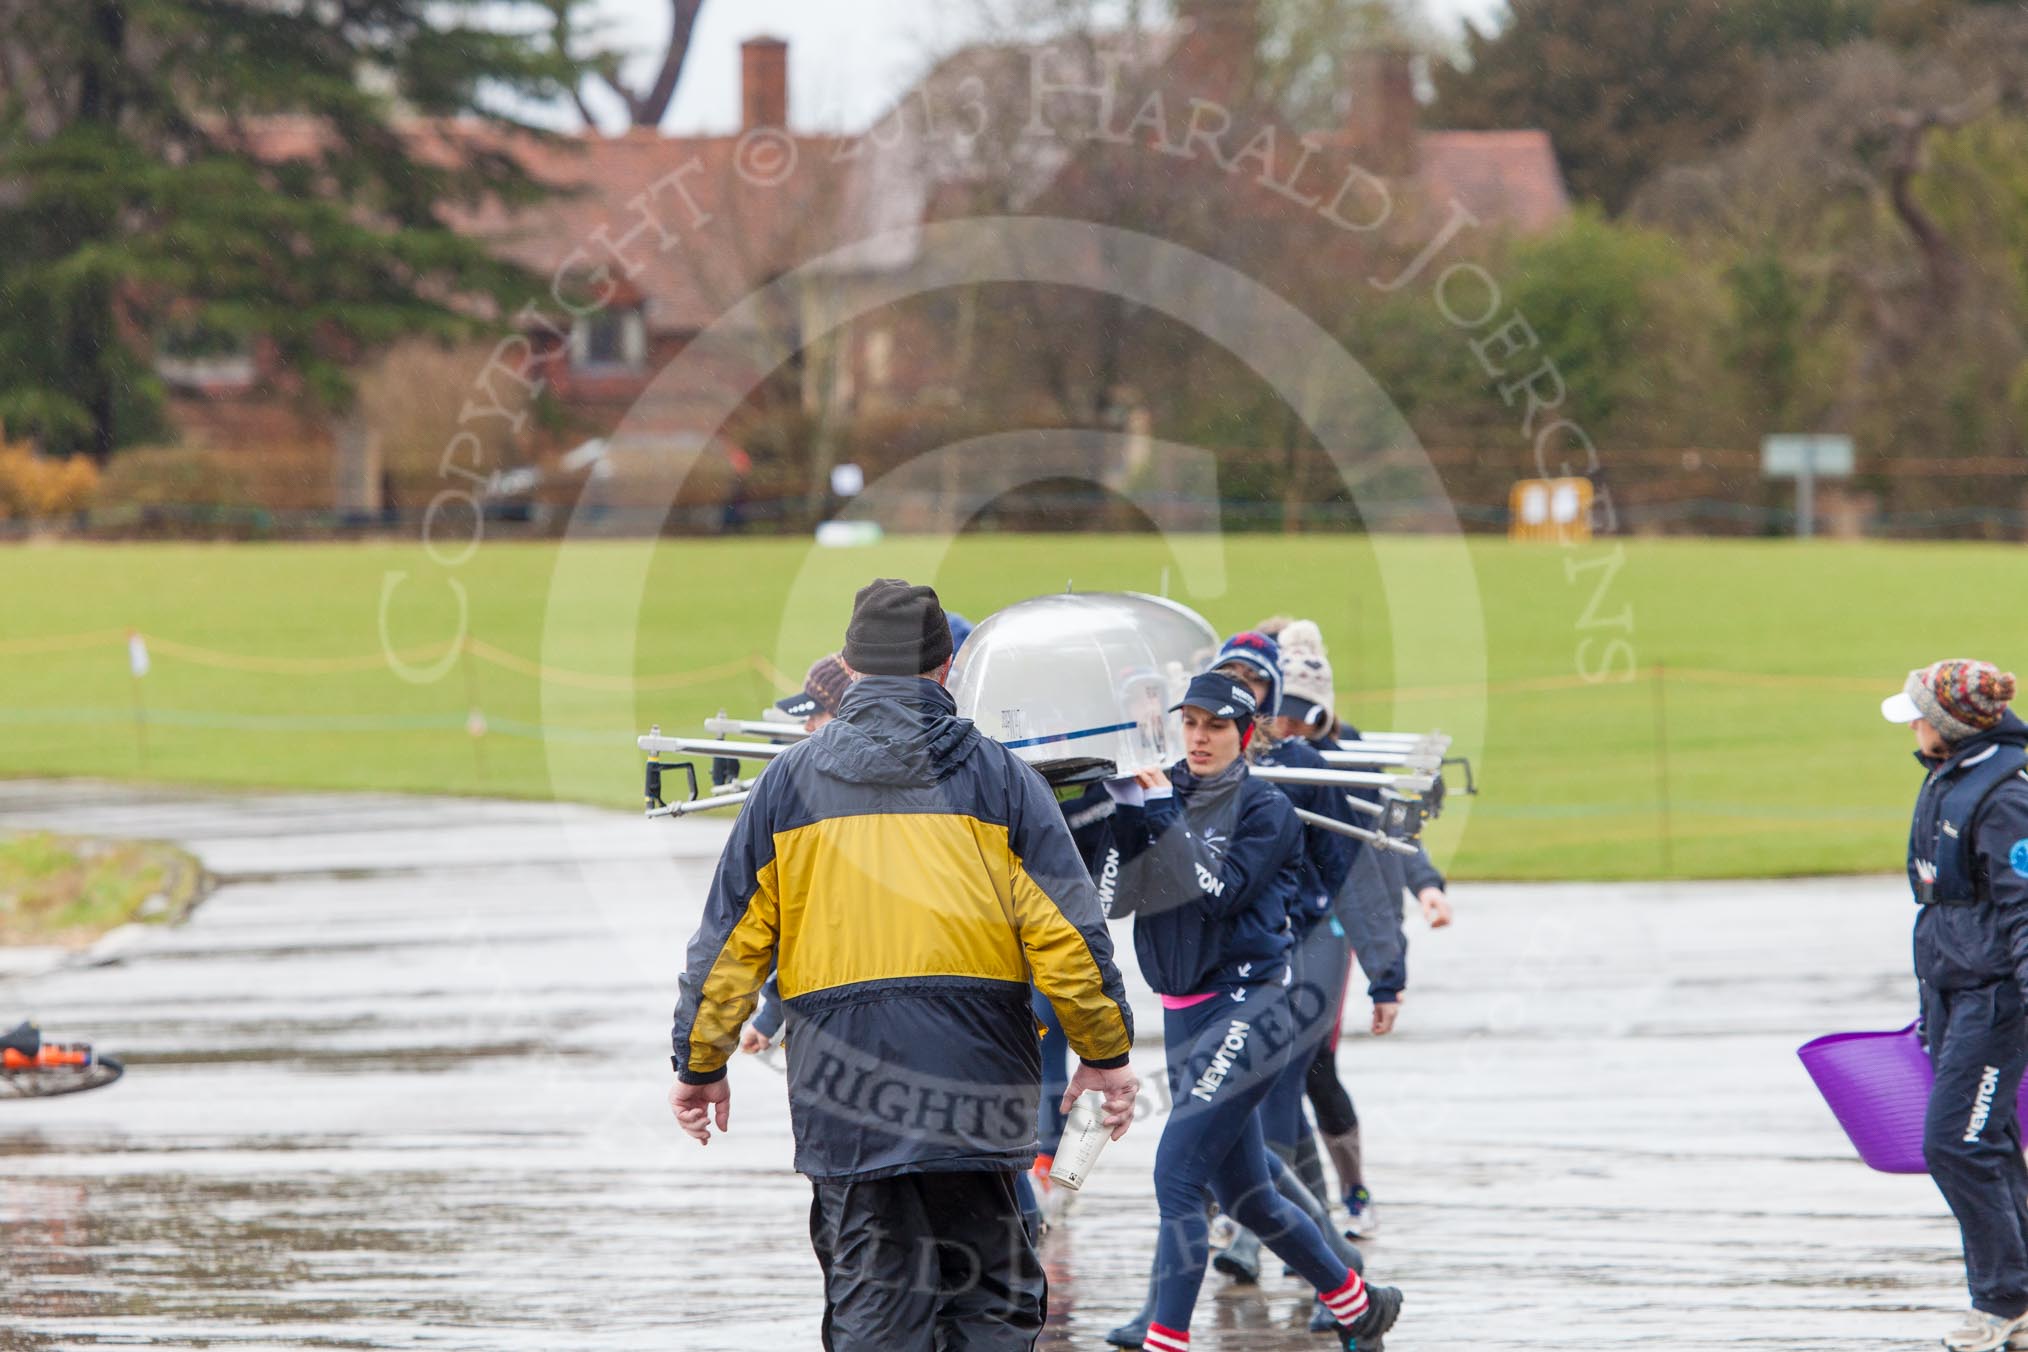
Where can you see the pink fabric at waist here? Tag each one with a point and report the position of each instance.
(1184, 1001)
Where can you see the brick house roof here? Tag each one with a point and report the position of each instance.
(738, 218)
(861, 195)
(741, 217)
(903, 177)
(1510, 177)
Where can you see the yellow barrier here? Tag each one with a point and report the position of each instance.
(1557, 511)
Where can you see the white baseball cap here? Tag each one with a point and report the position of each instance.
(1899, 708)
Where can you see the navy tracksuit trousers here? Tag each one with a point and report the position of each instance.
(1978, 1042)
(1316, 962)
(1224, 1057)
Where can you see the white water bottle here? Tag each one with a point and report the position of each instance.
(1084, 1135)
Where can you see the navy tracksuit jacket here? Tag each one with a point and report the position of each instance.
(1369, 905)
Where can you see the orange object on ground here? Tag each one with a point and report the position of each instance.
(49, 1057)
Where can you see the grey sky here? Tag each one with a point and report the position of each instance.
(848, 59)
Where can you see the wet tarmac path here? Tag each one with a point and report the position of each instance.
(399, 1084)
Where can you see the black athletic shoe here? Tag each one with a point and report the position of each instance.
(1364, 1334)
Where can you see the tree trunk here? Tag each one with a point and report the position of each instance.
(100, 103)
(1943, 268)
(98, 97)
(650, 106)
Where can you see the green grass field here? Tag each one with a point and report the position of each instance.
(1763, 738)
(65, 890)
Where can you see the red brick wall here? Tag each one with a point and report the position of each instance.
(286, 457)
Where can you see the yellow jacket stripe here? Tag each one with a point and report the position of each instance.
(885, 896)
(732, 984)
(1062, 967)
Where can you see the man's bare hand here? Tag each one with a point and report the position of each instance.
(695, 1104)
(753, 1041)
(1436, 907)
(1153, 779)
(1384, 1017)
(1118, 1086)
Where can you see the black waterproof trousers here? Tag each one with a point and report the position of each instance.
(1978, 1041)
(927, 1263)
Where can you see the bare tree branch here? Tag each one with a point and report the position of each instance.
(1941, 259)
(645, 108)
(649, 108)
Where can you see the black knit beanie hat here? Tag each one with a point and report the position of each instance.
(896, 630)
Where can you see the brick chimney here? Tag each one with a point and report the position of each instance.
(764, 83)
(1384, 120)
(1217, 55)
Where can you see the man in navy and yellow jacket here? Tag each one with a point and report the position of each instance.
(908, 878)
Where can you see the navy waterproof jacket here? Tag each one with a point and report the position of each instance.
(1088, 813)
(908, 878)
(1370, 906)
(1958, 947)
(1085, 811)
(1210, 874)
(1327, 855)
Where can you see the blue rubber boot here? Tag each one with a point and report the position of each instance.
(1134, 1332)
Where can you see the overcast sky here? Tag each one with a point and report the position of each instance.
(848, 59)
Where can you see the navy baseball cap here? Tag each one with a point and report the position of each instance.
(1219, 696)
(823, 688)
(1305, 711)
(799, 705)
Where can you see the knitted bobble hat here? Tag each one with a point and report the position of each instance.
(1308, 693)
(1960, 698)
(822, 689)
(826, 683)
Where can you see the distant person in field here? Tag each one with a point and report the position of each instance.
(1968, 866)
(909, 877)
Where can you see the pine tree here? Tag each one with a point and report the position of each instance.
(1623, 88)
(246, 170)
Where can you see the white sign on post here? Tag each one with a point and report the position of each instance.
(1804, 458)
(1785, 457)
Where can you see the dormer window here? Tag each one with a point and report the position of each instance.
(614, 339)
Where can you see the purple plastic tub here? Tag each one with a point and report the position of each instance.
(1878, 1087)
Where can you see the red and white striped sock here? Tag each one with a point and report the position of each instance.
(1166, 1340)
(1347, 1303)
